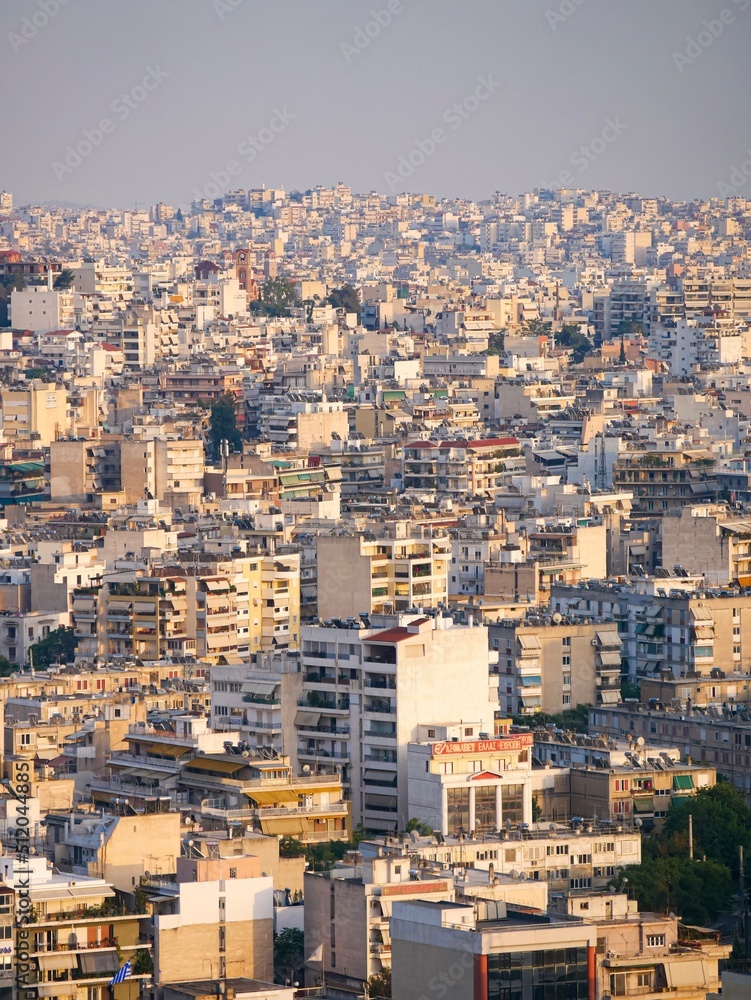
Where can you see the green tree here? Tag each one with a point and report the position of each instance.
(143, 964)
(721, 821)
(696, 890)
(570, 336)
(496, 342)
(58, 647)
(277, 298)
(8, 284)
(422, 828)
(379, 985)
(347, 297)
(576, 718)
(289, 954)
(536, 809)
(537, 328)
(223, 424)
(64, 279)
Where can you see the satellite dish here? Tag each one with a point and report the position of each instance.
(640, 741)
(557, 618)
(190, 843)
(514, 873)
(552, 828)
(306, 769)
(147, 874)
(245, 753)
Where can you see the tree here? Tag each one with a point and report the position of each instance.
(422, 828)
(536, 809)
(58, 647)
(576, 718)
(223, 424)
(347, 298)
(379, 985)
(289, 954)
(496, 342)
(696, 890)
(537, 328)
(277, 298)
(570, 336)
(8, 284)
(6, 667)
(721, 822)
(64, 279)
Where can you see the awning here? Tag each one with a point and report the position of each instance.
(654, 611)
(57, 989)
(386, 905)
(609, 658)
(282, 825)
(703, 632)
(529, 641)
(609, 639)
(687, 972)
(305, 719)
(531, 701)
(644, 805)
(381, 777)
(209, 764)
(57, 961)
(532, 680)
(261, 689)
(683, 782)
(144, 608)
(167, 750)
(610, 697)
(99, 962)
(271, 797)
(380, 801)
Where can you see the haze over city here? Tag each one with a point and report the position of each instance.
(361, 83)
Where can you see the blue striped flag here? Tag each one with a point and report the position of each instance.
(121, 975)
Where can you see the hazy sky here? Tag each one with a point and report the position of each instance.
(633, 95)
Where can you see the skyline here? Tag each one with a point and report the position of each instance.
(434, 97)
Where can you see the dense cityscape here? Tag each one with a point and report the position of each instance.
(376, 596)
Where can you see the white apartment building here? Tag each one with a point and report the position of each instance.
(41, 309)
(365, 693)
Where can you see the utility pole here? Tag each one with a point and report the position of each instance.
(224, 451)
(691, 840)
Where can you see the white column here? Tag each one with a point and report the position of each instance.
(471, 809)
(444, 810)
(498, 807)
(527, 800)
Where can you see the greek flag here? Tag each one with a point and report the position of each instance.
(121, 975)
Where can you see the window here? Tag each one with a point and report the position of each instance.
(25, 739)
(655, 940)
(233, 873)
(566, 661)
(621, 784)
(468, 732)
(567, 699)
(566, 641)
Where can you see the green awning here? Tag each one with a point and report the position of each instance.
(644, 805)
(683, 783)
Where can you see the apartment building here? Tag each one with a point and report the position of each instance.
(35, 413)
(256, 786)
(365, 693)
(550, 663)
(567, 856)
(624, 782)
(459, 468)
(487, 949)
(704, 539)
(42, 308)
(79, 935)
(719, 738)
(460, 786)
(478, 539)
(389, 568)
(214, 921)
(247, 700)
(298, 424)
(663, 481)
(348, 915)
(668, 624)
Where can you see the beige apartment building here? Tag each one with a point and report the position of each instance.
(663, 481)
(389, 568)
(551, 664)
(214, 921)
(37, 413)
